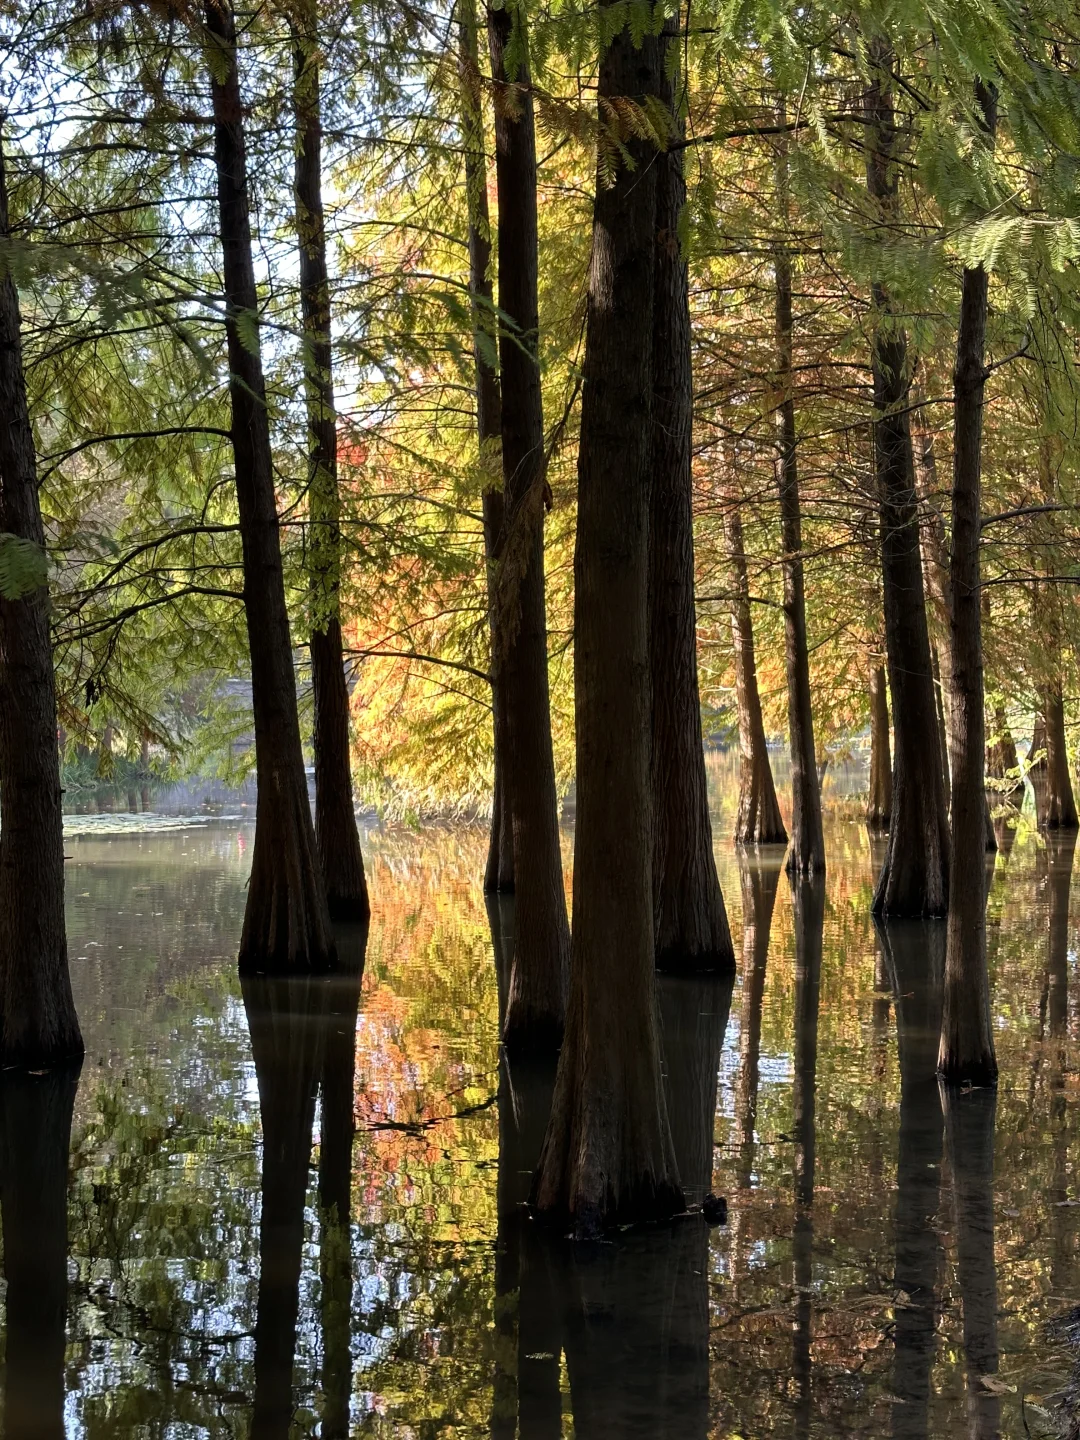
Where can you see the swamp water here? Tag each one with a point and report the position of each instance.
(292, 1208)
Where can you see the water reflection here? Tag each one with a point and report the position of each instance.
(35, 1130)
(809, 907)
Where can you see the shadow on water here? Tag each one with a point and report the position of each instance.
(35, 1133)
(303, 1032)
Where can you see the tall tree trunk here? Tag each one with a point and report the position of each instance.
(538, 983)
(807, 854)
(691, 922)
(969, 1138)
(1058, 810)
(35, 1132)
(499, 870)
(608, 1154)
(879, 805)
(759, 885)
(286, 922)
(38, 1024)
(759, 820)
(934, 548)
(1038, 743)
(336, 835)
(915, 957)
(967, 1039)
(809, 900)
(337, 1132)
(915, 877)
(943, 702)
(287, 1035)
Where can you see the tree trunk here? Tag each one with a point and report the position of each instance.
(942, 699)
(915, 957)
(759, 820)
(969, 1138)
(286, 922)
(807, 854)
(879, 805)
(35, 1132)
(335, 821)
(337, 1131)
(608, 1154)
(691, 922)
(499, 870)
(538, 983)
(937, 582)
(967, 1041)
(759, 885)
(915, 878)
(1060, 852)
(286, 1027)
(1058, 811)
(38, 1024)
(1002, 762)
(1038, 743)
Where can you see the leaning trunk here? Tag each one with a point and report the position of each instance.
(967, 1042)
(879, 805)
(759, 820)
(608, 1154)
(38, 1024)
(286, 923)
(915, 877)
(691, 922)
(499, 870)
(335, 822)
(807, 855)
(538, 981)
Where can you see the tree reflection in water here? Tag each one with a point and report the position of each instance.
(809, 906)
(35, 1131)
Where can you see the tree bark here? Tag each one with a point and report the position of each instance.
(879, 805)
(692, 932)
(608, 1154)
(35, 1132)
(1058, 808)
(937, 582)
(966, 1053)
(759, 820)
(538, 984)
(336, 835)
(38, 1024)
(499, 870)
(915, 877)
(1002, 762)
(286, 922)
(807, 853)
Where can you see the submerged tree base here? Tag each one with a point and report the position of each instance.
(680, 960)
(645, 1202)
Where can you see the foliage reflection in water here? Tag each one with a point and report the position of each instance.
(295, 1207)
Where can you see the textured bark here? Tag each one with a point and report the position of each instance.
(1038, 744)
(337, 1131)
(915, 877)
(969, 1138)
(35, 1132)
(1060, 852)
(934, 548)
(38, 1024)
(499, 870)
(336, 836)
(286, 922)
(608, 1154)
(759, 820)
(759, 885)
(692, 930)
(809, 903)
(915, 960)
(807, 853)
(937, 653)
(879, 805)
(538, 984)
(967, 1040)
(1057, 810)
(1002, 762)
(285, 1021)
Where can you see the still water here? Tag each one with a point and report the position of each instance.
(292, 1208)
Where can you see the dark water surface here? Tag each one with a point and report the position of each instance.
(292, 1208)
